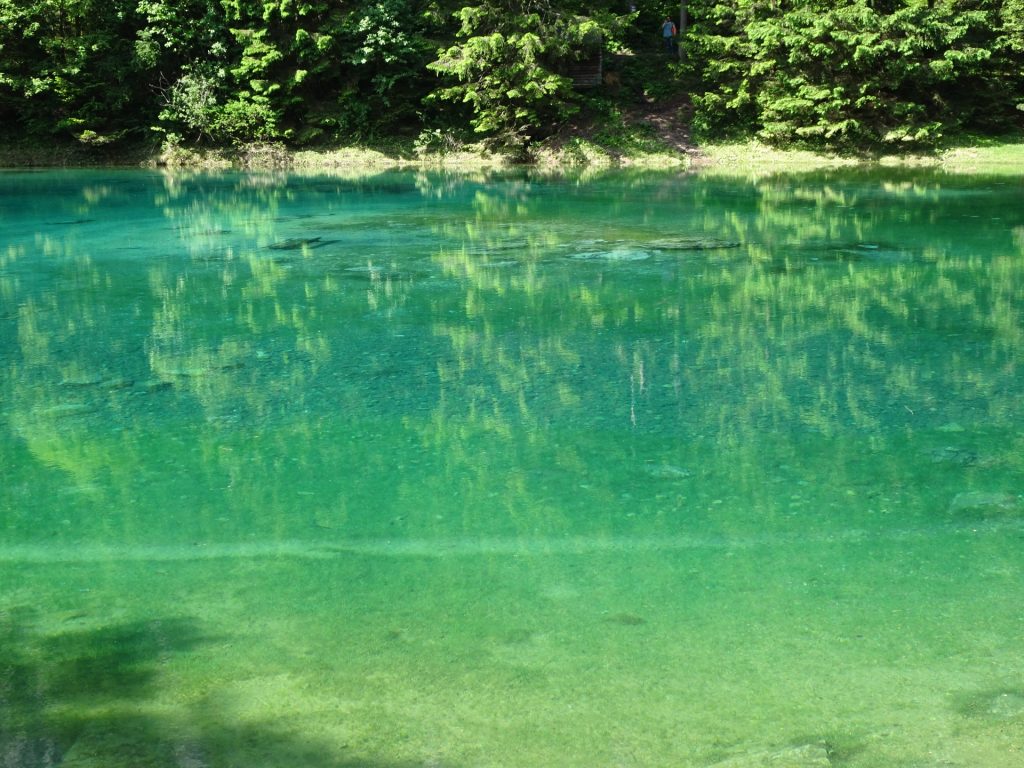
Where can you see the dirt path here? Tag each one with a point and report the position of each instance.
(670, 122)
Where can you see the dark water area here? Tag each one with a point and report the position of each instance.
(507, 470)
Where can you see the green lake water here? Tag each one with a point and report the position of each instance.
(453, 471)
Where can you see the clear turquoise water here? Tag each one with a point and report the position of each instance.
(427, 470)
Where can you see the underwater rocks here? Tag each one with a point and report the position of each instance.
(692, 244)
(70, 223)
(154, 385)
(858, 252)
(86, 380)
(802, 756)
(949, 454)
(960, 456)
(615, 254)
(373, 270)
(641, 250)
(986, 503)
(66, 409)
(199, 371)
(298, 243)
(96, 380)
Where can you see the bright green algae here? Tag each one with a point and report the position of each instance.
(506, 471)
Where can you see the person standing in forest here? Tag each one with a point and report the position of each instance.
(668, 32)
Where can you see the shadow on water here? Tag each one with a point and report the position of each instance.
(90, 697)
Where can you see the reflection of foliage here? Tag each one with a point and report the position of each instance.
(418, 385)
(499, 355)
(821, 328)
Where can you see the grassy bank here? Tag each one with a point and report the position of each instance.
(247, 157)
(593, 153)
(755, 159)
(992, 158)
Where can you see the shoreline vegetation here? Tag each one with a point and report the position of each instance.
(554, 84)
(748, 158)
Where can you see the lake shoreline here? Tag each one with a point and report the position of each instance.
(742, 158)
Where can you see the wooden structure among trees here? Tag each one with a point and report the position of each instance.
(588, 72)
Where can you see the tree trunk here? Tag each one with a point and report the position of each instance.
(682, 27)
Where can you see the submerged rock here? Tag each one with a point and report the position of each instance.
(154, 385)
(71, 223)
(960, 457)
(298, 243)
(692, 244)
(616, 254)
(854, 252)
(874, 253)
(985, 503)
(377, 272)
(117, 383)
(67, 409)
(594, 242)
(198, 371)
(83, 380)
(889, 255)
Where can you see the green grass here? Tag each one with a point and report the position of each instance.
(752, 158)
(608, 141)
(1005, 156)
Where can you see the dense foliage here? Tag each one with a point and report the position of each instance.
(843, 74)
(860, 73)
(510, 61)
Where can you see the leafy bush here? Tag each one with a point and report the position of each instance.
(509, 65)
(67, 68)
(847, 75)
(858, 74)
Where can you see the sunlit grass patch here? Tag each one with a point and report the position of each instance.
(1005, 157)
(754, 158)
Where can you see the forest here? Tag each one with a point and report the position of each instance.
(841, 75)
